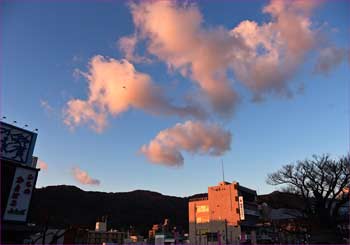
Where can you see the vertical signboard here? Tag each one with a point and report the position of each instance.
(20, 195)
(17, 144)
(241, 207)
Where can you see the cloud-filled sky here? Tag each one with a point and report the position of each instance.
(154, 94)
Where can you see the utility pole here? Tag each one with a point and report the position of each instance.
(195, 223)
(46, 226)
(226, 239)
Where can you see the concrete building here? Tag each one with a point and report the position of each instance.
(153, 231)
(101, 235)
(226, 215)
(165, 233)
(101, 226)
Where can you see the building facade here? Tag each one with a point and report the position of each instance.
(18, 180)
(226, 215)
(101, 235)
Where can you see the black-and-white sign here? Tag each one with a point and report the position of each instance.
(16, 144)
(20, 195)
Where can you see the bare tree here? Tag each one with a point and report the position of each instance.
(322, 182)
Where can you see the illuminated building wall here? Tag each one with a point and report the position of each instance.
(223, 202)
(218, 218)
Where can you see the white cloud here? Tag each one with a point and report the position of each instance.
(46, 106)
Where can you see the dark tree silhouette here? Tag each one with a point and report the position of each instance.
(322, 182)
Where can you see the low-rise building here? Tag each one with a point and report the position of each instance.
(226, 215)
(101, 235)
(162, 234)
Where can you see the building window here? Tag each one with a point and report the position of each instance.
(202, 232)
(202, 209)
(202, 220)
(212, 237)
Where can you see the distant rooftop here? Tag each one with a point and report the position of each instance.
(245, 189)
(224, 183)
(204, 196)
(285, 213)
(199, 197)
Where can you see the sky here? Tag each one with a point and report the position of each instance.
(154, 95)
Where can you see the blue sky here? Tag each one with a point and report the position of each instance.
(43, 43)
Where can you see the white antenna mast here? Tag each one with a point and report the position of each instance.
(223, 171)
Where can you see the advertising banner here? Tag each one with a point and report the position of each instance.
(17, 144)
(241, 207)
(20, 195)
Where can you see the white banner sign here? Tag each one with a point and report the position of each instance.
(241, 207)
(20, 195)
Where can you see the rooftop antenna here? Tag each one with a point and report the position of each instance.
(223, 171)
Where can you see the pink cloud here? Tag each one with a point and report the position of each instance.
(42, 165)
(115, 87)
(175, 36)
(263, 57)
(329, 58)
(127, 45)
(192, 137)
(83, 177)
(80, 112)
(276, 48)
